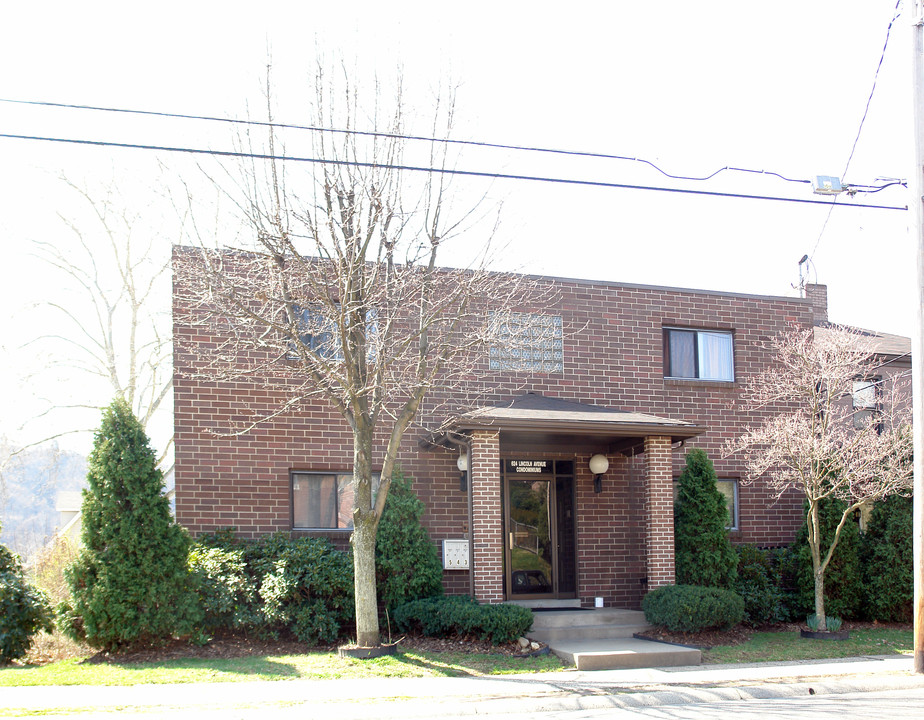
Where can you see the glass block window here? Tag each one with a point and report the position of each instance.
(528, 341)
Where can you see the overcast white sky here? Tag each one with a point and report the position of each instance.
(691, 87)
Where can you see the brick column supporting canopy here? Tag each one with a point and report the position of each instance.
(659, 506)
(487, 522)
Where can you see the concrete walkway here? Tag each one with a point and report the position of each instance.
(512, 694)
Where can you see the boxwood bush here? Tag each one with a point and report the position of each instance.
(690, 608)
(461, 616)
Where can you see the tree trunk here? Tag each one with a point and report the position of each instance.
(818, 568)
(365, 528)
(820, 599)
(367, 613)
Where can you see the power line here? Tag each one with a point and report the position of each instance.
(435, 170)
(856, 140)
(422, 138)
(869, 100)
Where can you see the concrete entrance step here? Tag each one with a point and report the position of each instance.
(552, 626)
(623, 653)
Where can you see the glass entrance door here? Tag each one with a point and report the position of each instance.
(539, 502)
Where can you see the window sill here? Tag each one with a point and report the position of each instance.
(698, 382)
(320, 531)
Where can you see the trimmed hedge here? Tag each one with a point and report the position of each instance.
(462, 616)
(690, 608)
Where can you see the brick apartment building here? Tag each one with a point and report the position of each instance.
(631, 374)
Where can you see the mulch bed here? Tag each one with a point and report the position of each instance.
(232, 646)
(740, 634)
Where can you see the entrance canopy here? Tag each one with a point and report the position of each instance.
(536, 419)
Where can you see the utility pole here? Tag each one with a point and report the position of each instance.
(916, 187)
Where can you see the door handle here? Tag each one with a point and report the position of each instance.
(511, 541)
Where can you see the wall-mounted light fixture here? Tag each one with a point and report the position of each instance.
(462, 464)
(599, 465)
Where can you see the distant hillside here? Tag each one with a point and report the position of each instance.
(29, 485)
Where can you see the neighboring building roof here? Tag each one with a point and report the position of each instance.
(69, 501)
(882, 343)
(534, 413)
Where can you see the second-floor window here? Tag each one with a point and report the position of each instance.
(866, 403)
(699, 354)
(528, 341)
(321, 334)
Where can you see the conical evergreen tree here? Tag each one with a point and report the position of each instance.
(130, 584)
(702, 553)
(406, 561)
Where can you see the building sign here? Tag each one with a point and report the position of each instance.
(529, 466)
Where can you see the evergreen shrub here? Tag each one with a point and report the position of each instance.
(844, 592)
(703, 554)
(758, 585)
(308, 588)
(24, 609)
(277, 584)
(407, 564)
(129, 584)
(461, 616)
(888, 561)
(227, 590)
(690, 608)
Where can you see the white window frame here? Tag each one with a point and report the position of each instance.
(700, 371)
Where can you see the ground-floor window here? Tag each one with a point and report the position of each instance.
(729, 488)
(323, 501)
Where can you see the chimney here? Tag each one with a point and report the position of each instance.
(818, 294)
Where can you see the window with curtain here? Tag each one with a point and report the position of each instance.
(699, 354)
(324, 501)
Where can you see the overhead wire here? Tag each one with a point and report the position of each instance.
(895, 15)
(422, 138)
(434, 170)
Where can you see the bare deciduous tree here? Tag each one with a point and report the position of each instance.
(115, 326)
(340, 299)
(822, 446)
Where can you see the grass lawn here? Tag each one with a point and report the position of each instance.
(788, 646)
(312, 665)
(761, 647)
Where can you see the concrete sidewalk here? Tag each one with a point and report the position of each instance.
(510, 694)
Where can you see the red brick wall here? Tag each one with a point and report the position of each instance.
(659, 512)
(612, 357)
(487, 527)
